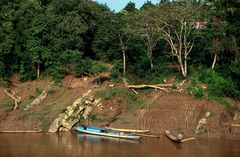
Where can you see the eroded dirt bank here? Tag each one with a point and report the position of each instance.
(154, 110)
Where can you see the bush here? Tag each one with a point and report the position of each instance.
(4, 82)
(26, 73)
(88, 67)
(97, 67)
(38, 91)
(195, 89)
(222, 101)
(82, 67)
(50, 90)
(199, 92)
(218, 85)
(56, 72)
(31, 97)
(115, 73)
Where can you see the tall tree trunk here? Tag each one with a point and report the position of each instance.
(185, 67)
(124, 63)
(38, 70)
(149, 54)
(124, 49)
(151, 62)
(214, 61)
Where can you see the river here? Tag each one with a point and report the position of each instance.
(79, 145)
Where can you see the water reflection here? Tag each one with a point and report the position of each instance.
(79, 145)
(93, 138)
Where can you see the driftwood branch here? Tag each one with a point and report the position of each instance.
(12, 96)
(135, 92)
(38, 100)
(17, 101)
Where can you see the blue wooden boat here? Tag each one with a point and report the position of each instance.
(105, 132)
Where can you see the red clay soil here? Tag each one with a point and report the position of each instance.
(177, 112)
(174, 111)
(63, 96)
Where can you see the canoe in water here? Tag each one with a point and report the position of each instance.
(177, 139)
(105, 132)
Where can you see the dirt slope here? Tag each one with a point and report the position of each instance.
(154, 110)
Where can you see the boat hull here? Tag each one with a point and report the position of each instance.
(172, 137)
(105, 132)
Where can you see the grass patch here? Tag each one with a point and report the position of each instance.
(24, 117)
(111, 92)
(24, 104)
(6, 105)
(136, 104)
(195, 89)
(221, 101)
(43, 119)
(238, 109)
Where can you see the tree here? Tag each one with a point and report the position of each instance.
(176, 24)
(147, 5)
(143, 24)
(7, 36)
(130, 7)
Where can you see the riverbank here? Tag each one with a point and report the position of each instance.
(150, 109)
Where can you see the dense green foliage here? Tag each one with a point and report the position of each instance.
(53, 38)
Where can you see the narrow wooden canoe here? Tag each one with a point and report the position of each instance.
(129, 130)
(177, 139)
(30, 131)
(105, 132)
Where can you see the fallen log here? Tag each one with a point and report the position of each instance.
(164, 87)
(129, 130)
(17, 101)
(38, 100)
(12, 96)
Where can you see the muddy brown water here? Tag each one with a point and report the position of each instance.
(80, 145)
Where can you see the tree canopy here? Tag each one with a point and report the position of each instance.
(53, 38)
